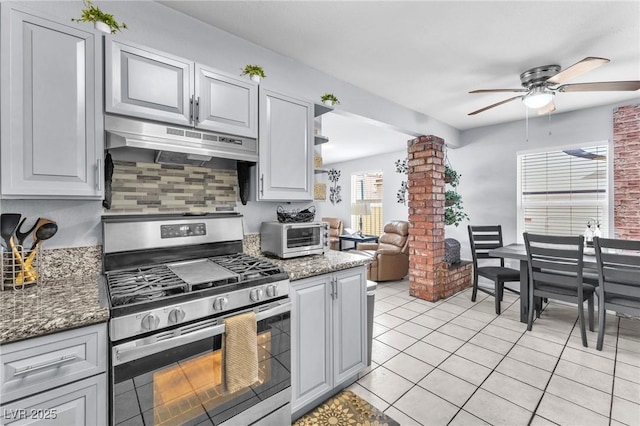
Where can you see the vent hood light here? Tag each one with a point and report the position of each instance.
(169, 157)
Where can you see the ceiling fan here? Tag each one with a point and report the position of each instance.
(540, 84)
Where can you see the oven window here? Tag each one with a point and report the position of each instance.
(186, 384)
(303, 237)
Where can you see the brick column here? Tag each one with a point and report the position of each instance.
(426, 217)
(626, 172)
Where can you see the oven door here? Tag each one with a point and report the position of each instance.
(304, 237)
(175, 377)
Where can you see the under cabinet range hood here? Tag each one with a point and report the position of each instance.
(177, 145)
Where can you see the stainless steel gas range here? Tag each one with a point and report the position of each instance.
(172, 280)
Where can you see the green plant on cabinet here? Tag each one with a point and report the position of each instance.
(255, 72)
(329, 99)
(92, 13)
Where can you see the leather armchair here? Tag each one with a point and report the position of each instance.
(390, 256)
(335, 230)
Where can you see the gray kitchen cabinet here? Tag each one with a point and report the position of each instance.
(328, 334)
(51, 108)
(79, 403)
(58, 378)
(285, 150)
(146, 83)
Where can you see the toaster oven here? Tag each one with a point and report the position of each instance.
(286, 240)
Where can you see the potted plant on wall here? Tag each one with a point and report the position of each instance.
(102, 21)
(329, 99)
(255, 72)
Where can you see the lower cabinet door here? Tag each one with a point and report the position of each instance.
(79, 403)
(350, 324)
(311, 339)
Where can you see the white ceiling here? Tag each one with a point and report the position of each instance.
(427, 55)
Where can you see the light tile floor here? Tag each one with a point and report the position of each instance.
(454, 362)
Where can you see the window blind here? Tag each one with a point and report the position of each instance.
(562, 190)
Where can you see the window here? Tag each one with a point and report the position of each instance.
(366, 202)
(562, 191)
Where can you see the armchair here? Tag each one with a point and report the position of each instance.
(335, 230)
(390, 257)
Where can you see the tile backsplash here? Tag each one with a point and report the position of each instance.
(152, 188)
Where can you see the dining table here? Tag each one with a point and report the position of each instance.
(519, 252)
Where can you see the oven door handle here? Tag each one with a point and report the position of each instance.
(137, 349)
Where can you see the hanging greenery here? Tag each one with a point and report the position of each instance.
(453, 212)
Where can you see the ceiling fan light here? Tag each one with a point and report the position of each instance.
(538, 99)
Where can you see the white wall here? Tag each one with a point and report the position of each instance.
(487, 162)
(154, 25)
(391, 183)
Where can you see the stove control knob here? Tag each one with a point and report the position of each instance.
(176, 315)
(220, 303)
(256, 294)
(150, 322)
(272, 290)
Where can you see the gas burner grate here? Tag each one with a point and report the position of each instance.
(143, 284)
(247, 267)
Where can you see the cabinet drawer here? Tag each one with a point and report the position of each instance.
(80, 403)
(35, 365)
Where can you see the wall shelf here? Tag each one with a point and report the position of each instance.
(319, 139)
(318, 171)
(320, 109)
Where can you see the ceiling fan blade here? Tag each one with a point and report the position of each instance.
(497, 90)
(547, 108)
(602, 86)
(495, 105)
(585, 65)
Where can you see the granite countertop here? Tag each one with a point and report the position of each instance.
(68, 298)
(307, 266)
(61, 301)
(49, 307)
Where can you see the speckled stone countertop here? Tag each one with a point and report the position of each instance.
(66, 298)
(307, 266)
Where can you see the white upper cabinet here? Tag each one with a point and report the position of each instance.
(146, 83)
(51, 108)
(225, 103)
(285, 148)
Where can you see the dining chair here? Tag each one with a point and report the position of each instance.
(555, 272)
(618, 279)
(483, 239)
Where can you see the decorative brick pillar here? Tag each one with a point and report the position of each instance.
(626, 172)
(426, 217)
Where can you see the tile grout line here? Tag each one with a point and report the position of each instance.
(468, 308)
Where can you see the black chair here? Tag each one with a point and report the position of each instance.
(483, 239)
(555, 272)
(618, 279)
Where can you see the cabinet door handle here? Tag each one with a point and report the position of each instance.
(190, 109)
(262, 184)
(98, 170)
(45, 365)
(197, 110)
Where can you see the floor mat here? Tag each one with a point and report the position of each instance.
(346, 408)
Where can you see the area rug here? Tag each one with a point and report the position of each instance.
(346, 408)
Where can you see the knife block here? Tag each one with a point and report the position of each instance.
(20, 268)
